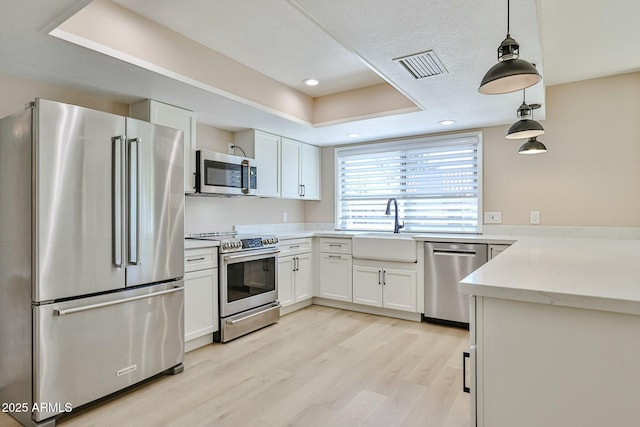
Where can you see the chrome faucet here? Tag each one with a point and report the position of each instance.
(396, 225)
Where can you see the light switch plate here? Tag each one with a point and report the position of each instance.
(493, 217)
(534, 217)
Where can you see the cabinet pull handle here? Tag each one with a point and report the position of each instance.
(384, 277)
(465, 356)
(335, 245)
(294, 246)
(335, 256)
(379, 277)
(195, 259)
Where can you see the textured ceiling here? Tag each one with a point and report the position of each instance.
(346, 43)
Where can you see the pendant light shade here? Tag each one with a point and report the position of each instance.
(526, 127)
(510, 73)
(509, 76)
(532, 146)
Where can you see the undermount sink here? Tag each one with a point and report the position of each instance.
(384, 246)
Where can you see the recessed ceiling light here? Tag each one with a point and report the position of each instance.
(446, 122)
(353, 135)
(311, 82)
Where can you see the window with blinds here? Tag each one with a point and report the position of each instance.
(436, 181)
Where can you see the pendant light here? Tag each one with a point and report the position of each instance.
(532, 146)
(526, 127)
(510, 73)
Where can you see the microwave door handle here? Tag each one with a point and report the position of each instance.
(134, 238)
(246, 170)
(117, 200)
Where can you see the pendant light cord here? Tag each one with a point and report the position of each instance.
(508, 14)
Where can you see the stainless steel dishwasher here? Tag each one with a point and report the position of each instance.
(445, 264)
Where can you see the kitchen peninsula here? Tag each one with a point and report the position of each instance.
(554, 334)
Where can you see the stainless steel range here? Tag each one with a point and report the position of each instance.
(248, 282)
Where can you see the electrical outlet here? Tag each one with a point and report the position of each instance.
(230, 148)
(534, 217)
(285, 217)
(493, 217)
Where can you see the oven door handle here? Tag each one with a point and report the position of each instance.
(250, 256)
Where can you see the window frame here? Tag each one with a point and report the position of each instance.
(382, 146)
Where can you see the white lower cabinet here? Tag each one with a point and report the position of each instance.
(295, 277)
(537, 364)
(335, 269)
(386, 287)
(335, 277)
(200, 297)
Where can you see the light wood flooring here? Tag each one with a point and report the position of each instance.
(317, 367)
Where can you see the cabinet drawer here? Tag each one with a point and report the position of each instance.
(295, 246)
(335, 246)
(200, 259)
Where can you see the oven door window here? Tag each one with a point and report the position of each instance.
(249, 278)
(220, 174)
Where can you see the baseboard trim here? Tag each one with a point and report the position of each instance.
(343, 305)
(295, 307)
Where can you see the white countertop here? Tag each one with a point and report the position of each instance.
(191, 244)
(591, 273)
(600, 274)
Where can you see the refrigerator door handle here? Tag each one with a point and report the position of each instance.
(58, 312)
(134, 202)
(117, 186)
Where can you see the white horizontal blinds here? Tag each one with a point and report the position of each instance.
(435, 182)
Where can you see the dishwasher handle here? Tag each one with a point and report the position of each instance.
(455, 252)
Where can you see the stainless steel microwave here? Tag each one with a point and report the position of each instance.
(219, 173)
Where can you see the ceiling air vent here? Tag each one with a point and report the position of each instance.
(421, 65)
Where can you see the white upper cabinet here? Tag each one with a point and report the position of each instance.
(300, 174)
(177, 118)
(310, 171)
(265, 149)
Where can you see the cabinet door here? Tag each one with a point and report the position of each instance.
(267, 154)
(200, 303)
(310, 171)
(285, 280)
(177, 118)
(399, 289)
(335, 277)
(303, 285)
(367, 285)
(290, 168)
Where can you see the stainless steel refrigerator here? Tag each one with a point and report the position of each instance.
(91, 256)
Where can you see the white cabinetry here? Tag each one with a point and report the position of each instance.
(265, 149)
(535, 364)
(200, 296)
(390, 285)
(177, 118)
(335, 278)
(295, 277)
(300, 176)
(495, 250)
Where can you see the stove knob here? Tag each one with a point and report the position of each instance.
(225, 245)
